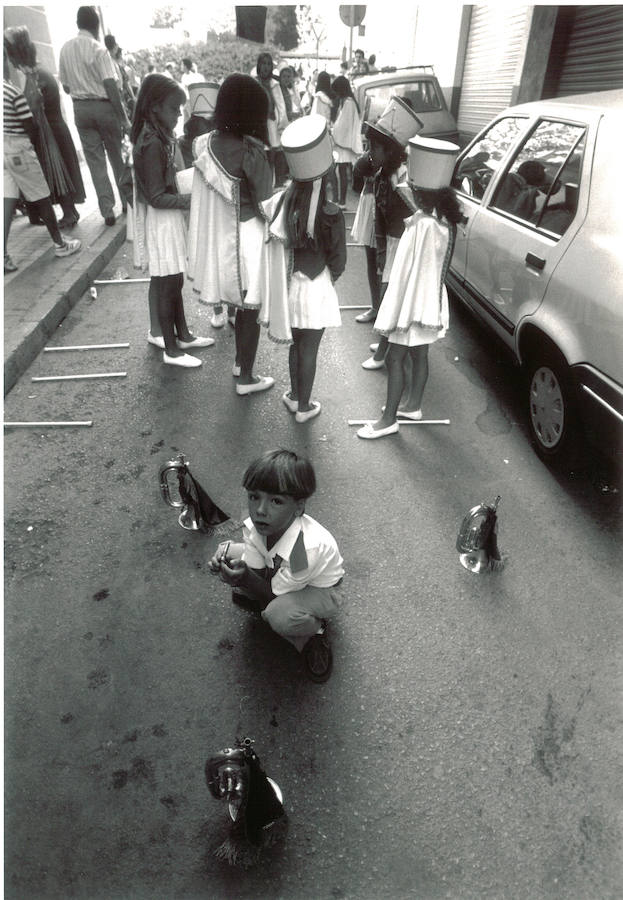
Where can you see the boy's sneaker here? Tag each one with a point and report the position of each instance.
(318, 657)
(218, 320)
(67, 247)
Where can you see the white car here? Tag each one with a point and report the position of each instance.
(540, 259)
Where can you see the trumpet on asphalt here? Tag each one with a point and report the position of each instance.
(182, 491)
(254, 800)
(477, 542)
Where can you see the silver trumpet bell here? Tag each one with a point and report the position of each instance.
(477, 539)
(171, 481)
(182, 491)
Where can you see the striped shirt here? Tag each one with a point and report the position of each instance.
(16, 110)
(84, 65)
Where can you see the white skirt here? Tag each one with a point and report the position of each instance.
(165, 241)
(390, 254)
(313, 303)
(363, 223)
(344, 154)
(252, 274)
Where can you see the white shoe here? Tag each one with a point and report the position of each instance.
(369, 434)
(232, 320)
(374, 348)
(67, 247)
(186, 361)
(265, 382)
(373, 363)
(218, 319)
(368, 316)
(195, 343)
(308, 413)
(235, 370)
(157, 341)
(414, 416)
(291, 405)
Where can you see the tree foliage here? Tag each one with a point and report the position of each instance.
(216, 57)
(282, 27)
(166, 16)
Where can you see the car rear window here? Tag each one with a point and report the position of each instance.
(422, 95)
(541, 185)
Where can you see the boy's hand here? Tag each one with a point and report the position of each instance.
(226, 551)
(233, 571)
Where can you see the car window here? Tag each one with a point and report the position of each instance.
(422, 95)
(541, 186)
(475, 170)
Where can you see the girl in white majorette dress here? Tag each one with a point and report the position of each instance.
(227, 254)
(414, 310)
(384, 165)
(346, 134)
(160, 226)
(311, 228)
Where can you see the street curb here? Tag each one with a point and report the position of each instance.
(47, 312)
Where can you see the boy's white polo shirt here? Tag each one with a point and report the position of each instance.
(308, 551)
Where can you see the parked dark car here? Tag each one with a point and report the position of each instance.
(540, 260)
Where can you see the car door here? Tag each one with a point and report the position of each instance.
(528, 216)
(475, 170)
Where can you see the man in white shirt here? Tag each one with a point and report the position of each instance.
(88, 74)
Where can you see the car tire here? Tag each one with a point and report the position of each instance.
(552, 408)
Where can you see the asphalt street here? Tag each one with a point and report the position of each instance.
(467, 745)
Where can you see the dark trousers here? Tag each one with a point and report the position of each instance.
(100, 134)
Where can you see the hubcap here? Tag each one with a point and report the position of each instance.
(547, 407)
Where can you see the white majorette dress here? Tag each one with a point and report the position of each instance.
(414, 309)
(312, 299)
(225, 255)
(347, 133)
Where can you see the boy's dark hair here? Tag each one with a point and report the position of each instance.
(442, 201)
(154, 89)
(242, 107)
(187, 61)
(110, 42)
(87, 18)
(281, 472)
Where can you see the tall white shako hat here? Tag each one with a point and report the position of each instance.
(307, 146)
(202, 98)
(397, 121)
(431, 162)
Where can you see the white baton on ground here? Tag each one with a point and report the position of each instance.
(80, 377)
(403, 421)
(86, 424)
(85, 347)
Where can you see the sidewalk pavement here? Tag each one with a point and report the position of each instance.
(40, 294)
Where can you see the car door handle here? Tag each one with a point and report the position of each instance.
(535, 261)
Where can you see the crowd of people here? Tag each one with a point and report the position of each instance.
(248, 204)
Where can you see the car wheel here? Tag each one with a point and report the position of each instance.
(552, 413)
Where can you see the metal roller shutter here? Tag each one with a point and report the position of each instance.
(496, 42)
(593, 56)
